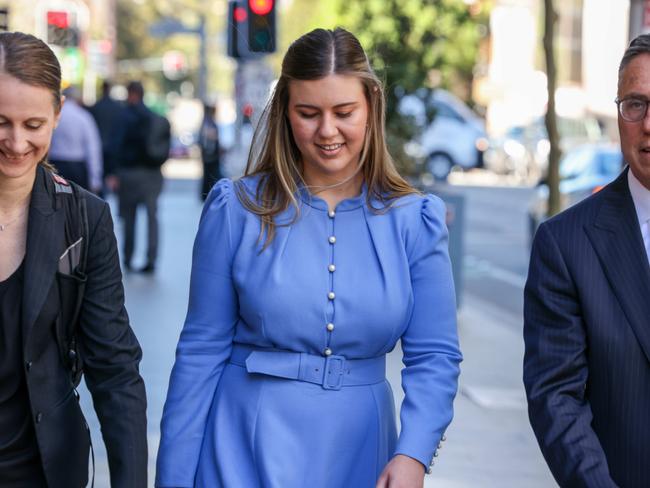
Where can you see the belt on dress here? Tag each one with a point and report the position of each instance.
(331, 372)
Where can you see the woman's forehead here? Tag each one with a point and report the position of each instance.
(331, 90)
(22, 101)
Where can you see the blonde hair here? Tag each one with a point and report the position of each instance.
(274, 155)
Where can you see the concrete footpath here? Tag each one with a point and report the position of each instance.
(489, 443)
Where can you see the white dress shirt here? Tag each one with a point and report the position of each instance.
(76, 138)
(641, 198)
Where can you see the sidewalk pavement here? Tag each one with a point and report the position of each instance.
(489, 443)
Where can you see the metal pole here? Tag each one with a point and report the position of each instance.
(203, 60)
(639, 21)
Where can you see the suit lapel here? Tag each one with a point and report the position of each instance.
(616, 237)
(44, 228)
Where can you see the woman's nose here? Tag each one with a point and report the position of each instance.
(328, 127)
(17, 142)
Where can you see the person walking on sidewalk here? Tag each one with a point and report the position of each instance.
(107, 113)
(587, 314)
(210, 149)
(76, 149)
(140, 179)
(61, 300)
(305, 274)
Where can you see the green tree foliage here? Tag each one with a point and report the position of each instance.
(412, 44)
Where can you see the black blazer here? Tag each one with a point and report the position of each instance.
(587, 334)
(109, 349)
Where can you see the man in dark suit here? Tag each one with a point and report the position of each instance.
(587, 315)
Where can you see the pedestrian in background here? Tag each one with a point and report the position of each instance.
(44, 438)
(107, 113)
(587, 314)
(140, 179)
(305, 274)
(210, 149)
(76, 149)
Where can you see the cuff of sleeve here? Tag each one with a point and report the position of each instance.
(420, 448)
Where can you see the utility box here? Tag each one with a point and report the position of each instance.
(455, 220)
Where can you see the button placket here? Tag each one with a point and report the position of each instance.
(331, 267)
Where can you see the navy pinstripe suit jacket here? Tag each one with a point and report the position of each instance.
(587, 335)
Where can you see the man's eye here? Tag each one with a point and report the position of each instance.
(635, 104)
(34, 127)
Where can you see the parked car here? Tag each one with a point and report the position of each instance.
(455, 138)
(583, 171)
(523, 150)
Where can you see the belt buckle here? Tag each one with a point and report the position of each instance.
(339, 374)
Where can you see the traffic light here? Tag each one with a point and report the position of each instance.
(261, 26)
(237, 16)
(62, 29)
(4, 19)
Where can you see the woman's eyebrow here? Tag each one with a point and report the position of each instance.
(339, 105)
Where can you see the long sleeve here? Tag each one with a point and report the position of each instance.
(430, 342)
(204, 345)
(111, 355)
(555, 370)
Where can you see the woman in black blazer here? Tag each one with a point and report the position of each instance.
(44, 439)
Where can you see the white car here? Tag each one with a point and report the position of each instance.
(455, 138)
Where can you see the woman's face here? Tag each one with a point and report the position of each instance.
(27, 119)
(328, 120)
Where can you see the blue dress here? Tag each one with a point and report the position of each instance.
(243, 408)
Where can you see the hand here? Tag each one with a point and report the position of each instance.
(402, 472)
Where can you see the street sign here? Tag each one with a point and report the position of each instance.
(169, 26)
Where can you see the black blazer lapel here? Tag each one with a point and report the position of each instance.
(44, 233)
(617, 240)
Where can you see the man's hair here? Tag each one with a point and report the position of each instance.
(639, 45)
(135, 88)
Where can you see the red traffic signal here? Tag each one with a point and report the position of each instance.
(62, 28)
(240, 15)
(58, 19)
(261, 7)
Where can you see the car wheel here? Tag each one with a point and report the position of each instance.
(439, 165)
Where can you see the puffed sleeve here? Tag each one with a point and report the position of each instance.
(430, 342)
(204, 345)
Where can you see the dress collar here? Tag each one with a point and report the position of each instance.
(318, 203)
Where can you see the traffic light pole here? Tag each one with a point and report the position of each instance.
(639, 17)
(203, 60)
(170, 26)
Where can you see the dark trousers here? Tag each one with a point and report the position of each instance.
(140, 186)
(76, 171)
(211, 174)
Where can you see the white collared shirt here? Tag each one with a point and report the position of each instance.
(641, 198)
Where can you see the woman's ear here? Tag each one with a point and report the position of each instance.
(58, 115)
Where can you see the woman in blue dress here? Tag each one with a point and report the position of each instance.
(305, 274)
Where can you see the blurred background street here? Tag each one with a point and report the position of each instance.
(467, 94)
